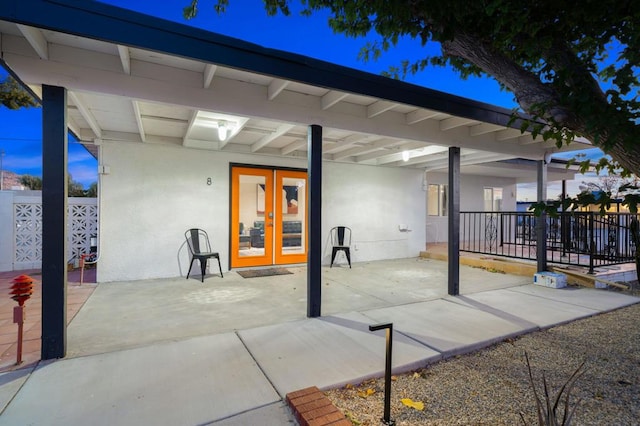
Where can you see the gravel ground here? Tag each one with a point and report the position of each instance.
(492, 387)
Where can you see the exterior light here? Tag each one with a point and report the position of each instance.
(222, 130)
(405, 155)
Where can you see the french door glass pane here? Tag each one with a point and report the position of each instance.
(251, 215)
(293, 215)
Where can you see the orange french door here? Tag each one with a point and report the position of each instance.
(291, 217)
(251, 217)
(268, 217)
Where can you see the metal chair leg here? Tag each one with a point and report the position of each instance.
(334, 251)
(347, 251)
(190, 265)
(203, 268)
(220, 266)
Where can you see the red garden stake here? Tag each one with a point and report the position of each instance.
(21, 291)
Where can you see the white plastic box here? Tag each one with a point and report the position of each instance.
(550, 279)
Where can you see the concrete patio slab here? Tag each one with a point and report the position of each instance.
(191, 382)
(600, 300)
(330, 351)
(167, 309)
(522, 306)
(167, 351)
(273, 414)
(10, 384)
(447, 327)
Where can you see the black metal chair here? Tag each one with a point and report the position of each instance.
(197, 241)
(341, 241)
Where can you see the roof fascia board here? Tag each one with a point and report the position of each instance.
(97, 21)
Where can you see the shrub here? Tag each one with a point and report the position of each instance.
(548, 409)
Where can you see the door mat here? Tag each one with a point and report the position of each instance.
(253, 273)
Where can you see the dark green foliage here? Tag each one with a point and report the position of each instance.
(74, 188)
(13, 96)
(31, 182)
(92, 191)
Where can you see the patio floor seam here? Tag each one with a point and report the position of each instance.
(264, 373)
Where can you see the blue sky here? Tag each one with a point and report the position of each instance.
(20, 135)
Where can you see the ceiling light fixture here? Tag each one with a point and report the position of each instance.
(222, 130)
(405, 155)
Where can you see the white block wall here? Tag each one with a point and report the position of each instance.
(153, 193)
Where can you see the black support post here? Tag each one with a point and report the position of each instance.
(453, 241)
(541, 222)
(564, 221)
(54, 222)
(314, 257)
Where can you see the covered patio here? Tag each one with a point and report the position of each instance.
(150, 97)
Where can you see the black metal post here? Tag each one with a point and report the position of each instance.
(541, 222)
(453, 239)
(592, 243)
(314, 257)
(564, 224)
(54, 222)
(386, 419)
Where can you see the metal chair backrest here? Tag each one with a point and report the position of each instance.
(197, 240)
(341, 236)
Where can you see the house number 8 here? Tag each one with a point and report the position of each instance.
(209, 181)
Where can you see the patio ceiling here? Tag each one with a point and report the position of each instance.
(133, 95)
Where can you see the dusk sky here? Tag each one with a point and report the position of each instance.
(20, 134)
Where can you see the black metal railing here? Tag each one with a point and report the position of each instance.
(576, 238)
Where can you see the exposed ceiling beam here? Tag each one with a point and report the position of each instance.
(36, 39)
(415, 155)
(265, 140)
(332, 98)
(453, 122)
(207, 75)
(419, 115)
(471, 159)
(125, 58)
(293, 146)
(506, 134)
(344, 143)
(364, 149)
(73, 126)
(86, 114)
(484, 128)
(527, 139)
(276, 86)
(169, 120)
(379, 107)
(384, 156)
(192, 120)
(138, 116)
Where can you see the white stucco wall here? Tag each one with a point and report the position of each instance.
(153, 193)
(471, 199)
(373, 202)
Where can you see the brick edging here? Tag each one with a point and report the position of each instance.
(312, 408)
